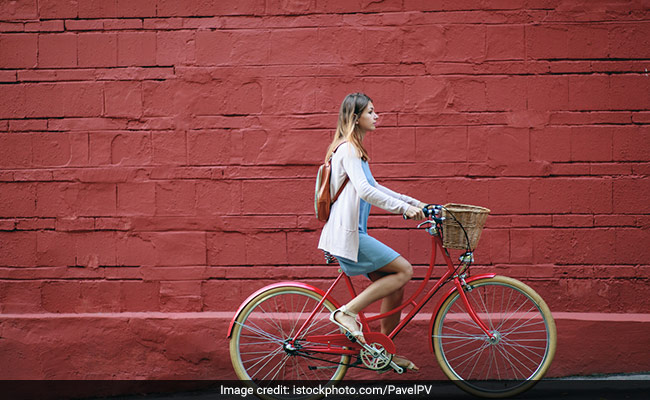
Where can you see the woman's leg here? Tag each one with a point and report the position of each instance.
(395, 275)
(390, 302)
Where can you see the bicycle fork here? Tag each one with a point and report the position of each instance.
(462, 287)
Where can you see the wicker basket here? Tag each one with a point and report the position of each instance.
(471, 217)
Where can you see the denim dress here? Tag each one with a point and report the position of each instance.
(373, 254)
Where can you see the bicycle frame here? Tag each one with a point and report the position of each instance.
(451, 273)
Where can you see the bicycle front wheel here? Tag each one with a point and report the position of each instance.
(264, 348)
(518, 354)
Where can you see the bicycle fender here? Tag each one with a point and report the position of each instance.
(273, 286)
(442, 300)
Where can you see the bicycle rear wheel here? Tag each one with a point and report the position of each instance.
(522, 348)
(260, 348)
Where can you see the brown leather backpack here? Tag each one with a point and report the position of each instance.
(322, 197)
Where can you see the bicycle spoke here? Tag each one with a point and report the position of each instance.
(513, 356)
(264, 346)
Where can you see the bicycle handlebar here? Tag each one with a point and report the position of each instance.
(430, 210)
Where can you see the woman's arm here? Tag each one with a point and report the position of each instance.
(403, 197)
(353, 168)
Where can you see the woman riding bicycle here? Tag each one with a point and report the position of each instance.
(345, 234)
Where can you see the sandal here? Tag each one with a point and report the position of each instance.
(353, 335)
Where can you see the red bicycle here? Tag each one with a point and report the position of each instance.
(492, 335)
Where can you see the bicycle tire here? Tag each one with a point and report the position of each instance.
(257, 343)
(525, 338)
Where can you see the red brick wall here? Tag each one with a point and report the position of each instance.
(159, 156)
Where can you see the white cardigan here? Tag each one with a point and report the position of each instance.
(340, 235)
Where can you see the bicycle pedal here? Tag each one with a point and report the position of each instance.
(351, 337)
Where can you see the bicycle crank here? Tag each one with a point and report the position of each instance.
(375, 356)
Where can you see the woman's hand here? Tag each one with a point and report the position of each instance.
(415, 213)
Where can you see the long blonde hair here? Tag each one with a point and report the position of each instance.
(346, 128)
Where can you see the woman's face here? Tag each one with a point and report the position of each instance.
(368, 118)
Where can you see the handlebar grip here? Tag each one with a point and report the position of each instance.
(428, 210)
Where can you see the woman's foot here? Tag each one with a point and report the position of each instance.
(405, 363)
(348, 321)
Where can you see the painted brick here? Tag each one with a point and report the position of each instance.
(169, 147)
(175, 198)
(464, 43)
(18, 50)
(122, 24)
(547, 41)
(266, 248)
(587, 41)
(629, 40)
(431, 93)
(631, 245)
(97, 49)
(18, 249)
(140, 296)
(383, 151)
(548, 92)
(630, 195)
(289, 45)
(509, 196)
(218, 197)
(15, 150)
(123, 99)
(213, 47)
(225, 248)
(574, 246)
(51, 149)
(98, 9)
(55, 249)
(631, 144)
(629, 92)
(551, 144)
(57, 50)
(166, 8)
(289, 196)
(46, 26)
(128, 148)
(212, 147)
(468, 94)
(48, 9)
(467, 191)
(136, 48)
(506, 93)
(17, 199)
(508, 145)
(521, 246)
(441, 144)
(138, 8)
(136, 198)
(20, 297)
(65, 199)
(94, 249)
(175, 48)
(589, 92)
(591, 144)
(505, 43)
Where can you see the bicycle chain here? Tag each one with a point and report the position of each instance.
(357, 364)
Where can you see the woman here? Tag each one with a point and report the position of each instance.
(345, 233)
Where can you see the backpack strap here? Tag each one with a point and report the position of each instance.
(338, 193)
(345, 181)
